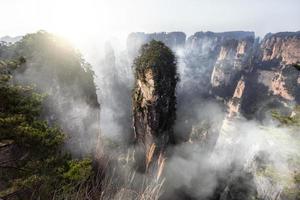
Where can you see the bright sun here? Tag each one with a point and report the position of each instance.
(78, 20)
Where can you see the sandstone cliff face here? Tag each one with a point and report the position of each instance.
(214, 64)
(146, 110)
(235, 102)
(281, 51)
(272, 80)
(154, 101)
(154, 111)
(251, 77)
(233, 58)
(284, 47)
(213, 59)
(210, 58)
(268, 80)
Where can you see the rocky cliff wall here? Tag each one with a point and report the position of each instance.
(234, 57)
(249, 76)
(273, 79)
(214, 65)
(211, 57)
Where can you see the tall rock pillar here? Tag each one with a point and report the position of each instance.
(154, 101)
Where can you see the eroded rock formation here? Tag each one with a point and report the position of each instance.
(154, 100)
(213, 59)
(273, 79)
(232, 60)
(235, 102)
(247, 76)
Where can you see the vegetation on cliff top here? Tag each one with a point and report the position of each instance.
(285, 120)
(159, 58)
(155, 57)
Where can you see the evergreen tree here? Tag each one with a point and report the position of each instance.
(32, 164)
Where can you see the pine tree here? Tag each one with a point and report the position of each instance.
(32, 164)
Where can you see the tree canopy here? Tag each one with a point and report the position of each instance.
(158, 57)
(33, 164)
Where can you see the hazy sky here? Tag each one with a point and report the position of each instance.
(78, 19)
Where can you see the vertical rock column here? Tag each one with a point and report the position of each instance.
(154, 102)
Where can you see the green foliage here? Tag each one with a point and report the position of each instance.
(78, 170)
(290, 182)
(36, 166)
(158, 57)
(57, 70)
(56, 62)
(292, 120)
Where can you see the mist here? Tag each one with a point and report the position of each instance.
(215, 155)
(212, 147)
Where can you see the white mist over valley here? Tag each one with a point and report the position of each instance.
(181, 100)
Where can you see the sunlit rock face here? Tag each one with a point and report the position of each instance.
(154, 100)
(269, 80)
(173, 40)
(273, 79)
(279, 52)
(214, 65)
(249, 78)
(213, 59)
(233, 58)
(235, 102)
(284, 47)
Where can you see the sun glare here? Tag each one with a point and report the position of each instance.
(77, 21)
